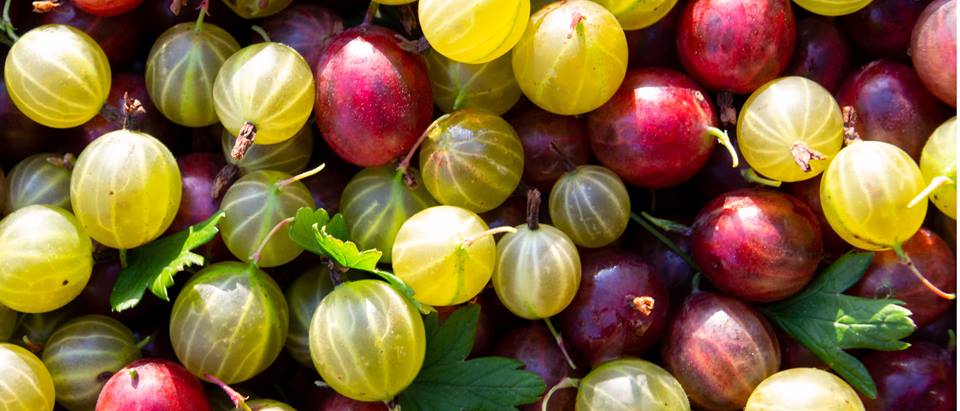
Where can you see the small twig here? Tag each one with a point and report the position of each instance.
(7, 24)
(559, 339)
(41, 7)
(850, 133)
(371, 13)
(935, 183)
(905, 260)
(405, 163)
(123, 257)
(283, 183)
(131, 107)
(803, 155)
(202, 12)
(533, 209)
(567, 382)
(238, 399)
(224, 179)
(666, 241)
(263, 33)
(751, 175)
(493, 231)
(724, 139)
(667, 225)
(248, 132)
(255, 257)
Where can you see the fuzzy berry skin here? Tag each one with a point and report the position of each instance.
(736, 46)
(373, 97)
(758, 245)
(152, 385)
(653, 132)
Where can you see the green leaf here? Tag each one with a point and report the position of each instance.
(828, 322)
(317, 232)
(154, 265)
(448, 382)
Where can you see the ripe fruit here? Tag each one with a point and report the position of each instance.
(658, 129)
(822, 53)
(133, 210)
(572, 57)
(808, 191)
(710, 326)
(882, 29)
(471, 159)
(269, 405)
(82, 354)
(790, 129)
(888, 277)
(181, 70)
(152, 384)
(386, 335)
(445, 253)
(759, 245)
(865, 192)
(37, 180)
(25, 384)
(197, 171)
(47, 259)
(833, 7)
(939, 159)
(267, 85)
(252, 9)
(373, 97)
(550, 144)
(473, 31)
(377, 201)
(736, 46)
(533, 345)
(801, 389)
(620, 309)
(933, 47)
(57, 75)
(634, 15)
(237, 305)
(590, 204)
(921, 377)
(538, 268)
(631, 384)
(107, 7)
(119, 37)
(254, 205)
(303, 297)
(304, 27)
(488, 86)
(892, 105)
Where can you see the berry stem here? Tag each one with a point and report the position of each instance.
(559, 339)
(666, 225)
(66, 161)
(204, 6)
(577, 25)
(476, 237)
(850, 134)
(131, 108)
(567, 382)
(724, 139)
(45, 6)
(255, 258)
(905, 260)
(123, 257)
(533, 209)
(224, 179)
(643, 304)
(371, 13)
(238, 399)
(143, 343)
(663, 239)
(306, 174)
(7, 24)
(263, 33)
(936, 183)
(404, 165)
(728, 114)
(248, 132)
(751, 175)
(803, 155)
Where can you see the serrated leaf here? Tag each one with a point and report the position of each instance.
(828, 322)
(448, 382)
(346, 253)
(154, 265)
(301, 230)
